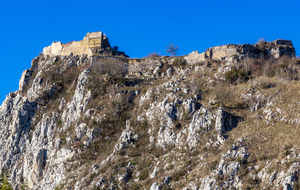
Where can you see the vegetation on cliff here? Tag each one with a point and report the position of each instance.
(108, 122)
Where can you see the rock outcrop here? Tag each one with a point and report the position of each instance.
(106, 122)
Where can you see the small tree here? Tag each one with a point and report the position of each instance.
(4, 184)
(172, 50)
(115, 50)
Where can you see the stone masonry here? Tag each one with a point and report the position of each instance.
(264, 49)
(92, 43)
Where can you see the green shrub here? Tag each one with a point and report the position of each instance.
(24, 187)
(59, 122)
(4, 184)
(236, 75)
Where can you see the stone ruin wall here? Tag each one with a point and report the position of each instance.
(91, 43)
(274, 49)
(94, 42)
(221, 51)
(77, 48)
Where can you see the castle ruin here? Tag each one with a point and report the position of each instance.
(263, 49)
(91, 44)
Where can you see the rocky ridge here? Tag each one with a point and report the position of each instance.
(107, 122)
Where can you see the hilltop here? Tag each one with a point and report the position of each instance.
(88, 117)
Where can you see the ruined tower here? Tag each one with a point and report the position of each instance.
(91, 44)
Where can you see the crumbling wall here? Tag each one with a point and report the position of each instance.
(77, 48)
(264, 49)
(91, 44)
(221, 51)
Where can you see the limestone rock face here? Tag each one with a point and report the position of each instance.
(201, 121)
(127, 137)
(106, 122)
(170, 71)
(224, 122)
(24, 79)
(220, 122)
(80, 99)
(36, 88)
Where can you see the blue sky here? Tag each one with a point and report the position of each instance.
(138, 27)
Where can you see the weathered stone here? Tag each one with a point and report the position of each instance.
(224, 122)
(90, 44)
(127, 137)
(202, 120)
(195, 57)
(81, 97)
(170, 71)
(67, 141)
(220, 122)
(153, 174)
(155, 186)
(24, 79)
(274, 49)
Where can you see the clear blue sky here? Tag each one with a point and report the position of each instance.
(138, 27)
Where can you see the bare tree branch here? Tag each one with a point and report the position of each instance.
(172, 50)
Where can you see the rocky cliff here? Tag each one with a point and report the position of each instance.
(107, 122)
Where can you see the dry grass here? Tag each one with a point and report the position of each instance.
(153, 55)
(275, 80)
(270, 140)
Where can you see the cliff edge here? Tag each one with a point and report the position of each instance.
(107, 122)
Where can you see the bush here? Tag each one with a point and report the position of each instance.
(144, 174)
(179, 62)
(177, 125)
(223, 96)
(153, 55)
(104, 74)
(4, 184)
(261, 45)
(252, 181)
(236, 76)
(266, 85)
(178, 175)
(281, 68)
(284, 67)
(112, 70)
